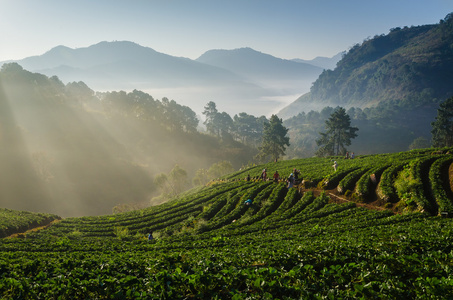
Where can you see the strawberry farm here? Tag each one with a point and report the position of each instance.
(377, 227)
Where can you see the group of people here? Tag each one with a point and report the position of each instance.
(347, 156)
(293, 177)
(351, 155)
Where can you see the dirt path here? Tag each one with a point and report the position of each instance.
(23, 234)
(373, 203)
(450, 176)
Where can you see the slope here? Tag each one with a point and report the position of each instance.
(409, 67)
(210, 245)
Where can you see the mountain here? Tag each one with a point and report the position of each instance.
(322, 62)
(259, 66)
(129, 65)
(240, 80)
(409, 67)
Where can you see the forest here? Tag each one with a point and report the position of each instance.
(85, 152)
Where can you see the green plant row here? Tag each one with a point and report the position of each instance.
(439, 184)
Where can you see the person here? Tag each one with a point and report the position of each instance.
(264, 175)
(290, 181)
(347, 155)
(248, 202)
(335, 165)
(296, 174)
(247, 178)
(150, 236)
(352, 155)
(276, 176)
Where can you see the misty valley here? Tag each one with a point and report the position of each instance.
(109, 191)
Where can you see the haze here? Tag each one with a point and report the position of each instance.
(286, 29)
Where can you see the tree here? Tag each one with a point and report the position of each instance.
(248, 129)
(172, 184)
(419, 143)
(442, 128)
(216, 170)
(338, 135)
(275, 140)
(210, 111)
(224, 124)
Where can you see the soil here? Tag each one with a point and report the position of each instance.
(23, 234)
(450, 176)
(374, 202)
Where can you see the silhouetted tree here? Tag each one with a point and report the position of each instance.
(210, 111)
(338, 135)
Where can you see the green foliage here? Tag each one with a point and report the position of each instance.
(121, 232)
(440, 191)
(442, 130)
(13, 221)
(215, 171)
(78, 152)
(209, 244)
(419, 143)
(339, 133)
(399, 79)
(172, 184)
(275, 140)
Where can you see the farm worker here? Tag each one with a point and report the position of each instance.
(276, 176)
(352, 155)
(264, 174)
(296, 174)
(335, 165)
(248, 202)
(290, 181)
(247, 178)
(150, 236)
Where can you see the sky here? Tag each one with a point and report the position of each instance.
(283, 28)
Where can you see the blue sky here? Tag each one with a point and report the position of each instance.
(283, 28)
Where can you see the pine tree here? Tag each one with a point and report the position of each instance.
(275, 140)
(338, 134)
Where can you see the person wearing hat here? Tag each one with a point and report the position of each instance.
(276, 176)
(290, 181)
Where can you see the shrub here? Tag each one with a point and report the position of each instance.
(121, 232)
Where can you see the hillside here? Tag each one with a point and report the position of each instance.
(408, 67)
(295, 242)
(66, 151)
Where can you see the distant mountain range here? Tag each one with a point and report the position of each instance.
(240, 80)
(323, 62)
(409, 67)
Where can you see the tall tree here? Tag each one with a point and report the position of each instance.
(210, 111)
(338, 134)
(224, 124)
(442, 128)
(275, 140)
(248, 129)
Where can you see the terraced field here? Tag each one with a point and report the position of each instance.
(315, 241)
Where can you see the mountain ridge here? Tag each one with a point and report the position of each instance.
(124, 65)
(409, 66)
